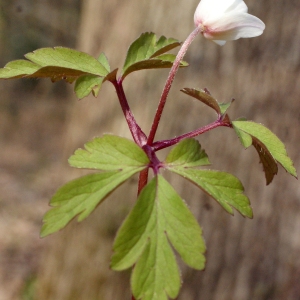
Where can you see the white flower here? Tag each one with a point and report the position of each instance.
(225, 20)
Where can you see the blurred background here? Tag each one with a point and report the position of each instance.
(41, 124)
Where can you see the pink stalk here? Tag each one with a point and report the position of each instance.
(143, 178)
(169, 82)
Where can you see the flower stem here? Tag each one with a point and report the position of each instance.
(169, 82)
(138, 135)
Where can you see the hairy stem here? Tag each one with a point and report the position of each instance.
(167, 143)
(169, 82)
(138, 135)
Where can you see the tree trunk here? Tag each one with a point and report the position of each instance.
(246, 259)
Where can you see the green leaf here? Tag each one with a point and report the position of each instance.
(146, 53)
(223, 187)
(224, 106)
(104, 62)
(86, 84)
(164, 45)
(159, 217)
(18, 69)
(81, 197)
(205, 97)
(187, 153)
(67, 58)
(159, 62)
(268, 146)
(56, 63)
(109, 153)
(268, 162)
(244, 137)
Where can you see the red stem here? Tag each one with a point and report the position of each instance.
(143, 179)
(169, 82)
(138, 135)
(167, 143)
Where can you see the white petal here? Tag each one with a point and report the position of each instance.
(233, 26)
(238, 6)
(213, 9)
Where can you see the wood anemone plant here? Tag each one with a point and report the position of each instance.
(160, 222)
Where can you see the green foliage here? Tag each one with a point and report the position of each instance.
(268, 146)
(86, 84)
(81, 197)
(104, 62)
(205, 97)
(56, 63)
(223, 187)
(187, 153)
(17, 69)
(109, 153)
(149, 53)
(160, 216)
(61, 63)
(160, 220)
(121, 158)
